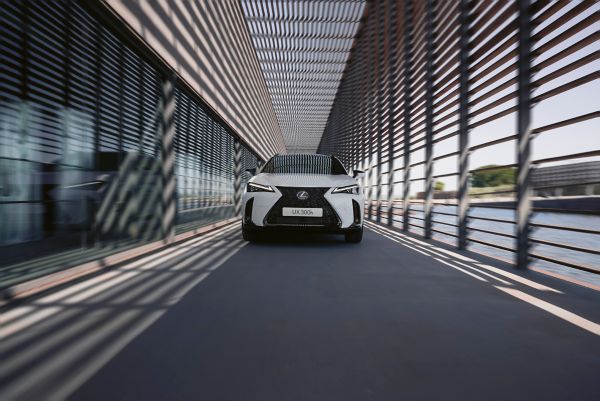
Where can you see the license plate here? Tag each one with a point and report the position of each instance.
(302, 212)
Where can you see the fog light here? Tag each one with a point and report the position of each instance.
(248, 211)
(356, 209)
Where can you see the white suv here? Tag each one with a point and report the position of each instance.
(306, 192)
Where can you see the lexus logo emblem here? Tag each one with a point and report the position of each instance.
(302, 195)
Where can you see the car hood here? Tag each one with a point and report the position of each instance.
(303, 180)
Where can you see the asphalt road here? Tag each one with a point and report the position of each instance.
(306, 318)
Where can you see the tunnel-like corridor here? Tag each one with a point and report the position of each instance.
(299, 200)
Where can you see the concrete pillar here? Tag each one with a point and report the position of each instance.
(168, 131)
(237, 177)
(463, 125)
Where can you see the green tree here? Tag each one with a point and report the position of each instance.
(493, 178)
(439, 186)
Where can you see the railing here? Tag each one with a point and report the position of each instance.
(396, 219)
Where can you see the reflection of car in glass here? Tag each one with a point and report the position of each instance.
(305, 192)
(117, 198)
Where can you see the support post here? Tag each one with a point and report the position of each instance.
(428, 205)
(371, 109)
(380, 68)
(408, 8)
(363, 111)
(523, 212)
(463, 124)
(168, 130)
(237, 177)
(392, 59)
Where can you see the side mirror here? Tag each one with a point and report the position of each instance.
(104, 178)
(251, 171)
(358, 174)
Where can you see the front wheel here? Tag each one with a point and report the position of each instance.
(354, 236)
(250, 235)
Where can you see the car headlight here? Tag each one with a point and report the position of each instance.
(254, 187)
(348, 189)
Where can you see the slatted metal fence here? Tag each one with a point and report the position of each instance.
(425, 83)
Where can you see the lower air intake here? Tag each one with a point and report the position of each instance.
(316, 199)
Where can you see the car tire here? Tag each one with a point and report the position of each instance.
(250, 235)
(354, 236)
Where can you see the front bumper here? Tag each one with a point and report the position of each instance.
(340, 211)
(300, 228)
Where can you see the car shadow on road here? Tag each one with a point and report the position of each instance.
(293, 238)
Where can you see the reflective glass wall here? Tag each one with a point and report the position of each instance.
(81, 151)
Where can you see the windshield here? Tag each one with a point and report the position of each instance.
(304, 164)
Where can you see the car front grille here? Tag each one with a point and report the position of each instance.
(316, 199)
